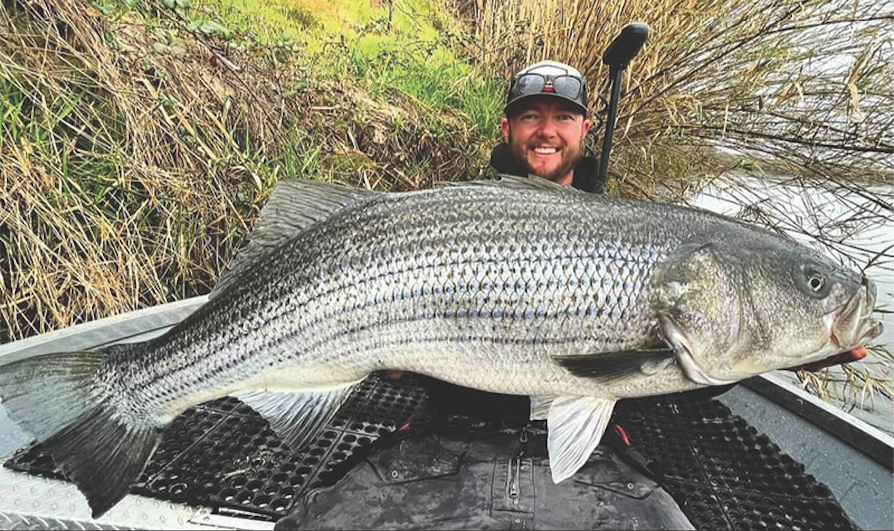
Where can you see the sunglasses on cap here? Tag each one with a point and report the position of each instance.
(563, 85)
(569, 87)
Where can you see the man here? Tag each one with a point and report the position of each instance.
(544, 126)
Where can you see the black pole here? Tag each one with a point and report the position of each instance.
(617, 56)
(615, 74)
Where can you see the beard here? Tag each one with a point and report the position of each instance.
(571, 155)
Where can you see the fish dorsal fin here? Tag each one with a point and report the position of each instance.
(576, 425)
(612, 366)
(297, 417)
(507, 181)
(294, 205)
(540, 405)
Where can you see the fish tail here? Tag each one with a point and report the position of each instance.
(56, 398)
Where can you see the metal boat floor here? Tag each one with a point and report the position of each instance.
(719, 470)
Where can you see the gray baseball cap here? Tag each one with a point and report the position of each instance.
(548, 78)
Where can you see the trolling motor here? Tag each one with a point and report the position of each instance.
(617, 56)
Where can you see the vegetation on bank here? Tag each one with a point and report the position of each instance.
(139, 138)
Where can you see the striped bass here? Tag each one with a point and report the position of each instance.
(517, 286)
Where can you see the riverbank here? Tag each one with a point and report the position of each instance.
(140, 138)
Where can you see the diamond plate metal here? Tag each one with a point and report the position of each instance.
(21, 521)
(31, 502)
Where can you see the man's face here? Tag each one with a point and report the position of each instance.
(545, 137)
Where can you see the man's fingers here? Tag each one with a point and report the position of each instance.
(858, 353)
(855, 354)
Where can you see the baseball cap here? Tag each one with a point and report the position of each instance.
(548, 78)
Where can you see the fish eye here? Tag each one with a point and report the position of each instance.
(816, 282)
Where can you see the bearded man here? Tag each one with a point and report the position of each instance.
(544, 126)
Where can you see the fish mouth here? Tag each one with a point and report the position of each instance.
(852, 324)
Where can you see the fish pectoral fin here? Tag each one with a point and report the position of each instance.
(297, 417)
(540, 405)
(576, 425)
(610, 366)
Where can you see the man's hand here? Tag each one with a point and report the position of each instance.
(845, 357)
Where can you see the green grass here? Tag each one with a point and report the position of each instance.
(408, 47)
(12, 104)
(404, 55)
(87, 163)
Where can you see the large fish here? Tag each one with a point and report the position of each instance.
(517, 286)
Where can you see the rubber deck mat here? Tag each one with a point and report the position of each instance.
(721, 472)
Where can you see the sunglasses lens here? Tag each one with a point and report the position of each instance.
(530, 83)
(567, 86)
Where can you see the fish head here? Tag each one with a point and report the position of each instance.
(734, 310)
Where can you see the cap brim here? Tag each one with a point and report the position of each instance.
(515, 102)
